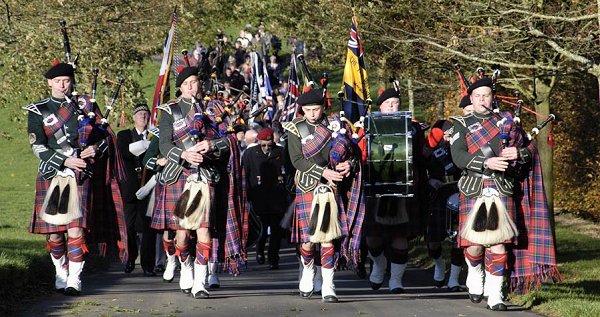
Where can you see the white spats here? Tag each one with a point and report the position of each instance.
(169, 272)
(62, 272)
(186, 278)
(454, 274)
(378, 268)
(439, 273)
(307, 278)
(494, 289)
(396, 274)
(328, 288)
(74, 280)
(475, 278)
(200, 274)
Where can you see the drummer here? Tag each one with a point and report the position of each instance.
(389, 221)
(443, 176)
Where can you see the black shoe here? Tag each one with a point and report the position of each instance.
(454, 289)
(398, 290)
(475, 298)
(70, 291)
(149, 273)
(376, 286)
(497, 307)
(274, 266)
(330, 299)
(438, 284)
(59, 290)
(201, 295)
(260, 258)
(361, 271)
(306, 295)
(186, 291)
(129, 267)
(159, 268)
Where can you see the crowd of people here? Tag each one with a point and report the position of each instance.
(205, 186)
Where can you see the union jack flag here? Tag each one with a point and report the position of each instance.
(290, 108)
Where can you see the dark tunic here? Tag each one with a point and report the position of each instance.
(265, 180)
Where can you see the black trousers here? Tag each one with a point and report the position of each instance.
(272, 220)
(137, 222)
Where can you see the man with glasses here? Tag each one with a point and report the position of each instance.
(263, 167)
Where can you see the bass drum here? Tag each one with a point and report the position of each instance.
(389, 166)
(452, 216)
(255, 229)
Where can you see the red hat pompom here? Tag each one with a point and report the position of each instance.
(55, 62)
(380, 91)
(179, 69)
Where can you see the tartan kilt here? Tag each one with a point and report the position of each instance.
(301, 219)
(436, 230)
(163, 216)
(465, 206)
(38, 225)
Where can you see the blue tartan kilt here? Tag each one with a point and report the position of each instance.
(301, 220)
(466, 205)
(38, 225)
(163, 216)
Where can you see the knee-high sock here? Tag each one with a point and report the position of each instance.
(398, 256)
(307, 255)
(203, 252)
(76, 249)
(56, 248)
(456, 256)
(475, 260)
(182, 251)
(327, 257)
(169, 246)
(495, 263)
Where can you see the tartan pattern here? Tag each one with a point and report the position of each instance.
(166, 198)
(236, 228)
(466, 205)
(327, 257)
(352, 227)
(190, 124)
(63, 115)
(321, 138)
(301, 217)
(56, 248)
(342, 149)
(473, 260)
(495, 263)
(202, 252)
(76, 249)
(307, 255)
(120, 214)
(534, 256)
(477, 139)
(37, 225)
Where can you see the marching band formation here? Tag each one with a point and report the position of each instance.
(354, 191)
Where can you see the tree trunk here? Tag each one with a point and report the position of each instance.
(542, 106)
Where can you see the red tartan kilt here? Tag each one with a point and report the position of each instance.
(37, 225)
(163, 217)
(466, 205)
(301, 219)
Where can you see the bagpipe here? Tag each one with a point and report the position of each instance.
(505, 122)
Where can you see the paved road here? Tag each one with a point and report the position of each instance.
(259, 292)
